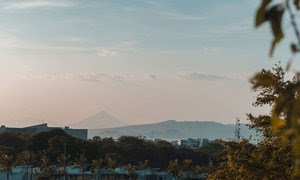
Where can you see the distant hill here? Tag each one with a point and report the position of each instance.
(99, 120)
(173, 130)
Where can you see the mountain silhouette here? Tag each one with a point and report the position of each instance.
(172, 130)
(99, 120)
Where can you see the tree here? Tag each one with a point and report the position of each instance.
(49, 148)
(62, 161)
(26, 158)
(285, 111)
(129, 168)
(272, 157)
(173, 167)
(112, 160)
(144, 166)
(111, 163)
(81, 161)
(283, 96)
(244, 160)
(6, 163)
(13, 140)
(213, 150)
(39, 142)
(198, 169)
(187, 166)
(45, 167)
(96, 164)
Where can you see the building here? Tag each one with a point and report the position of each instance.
(189, 143)
(78, 133)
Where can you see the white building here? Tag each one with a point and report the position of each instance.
(189, 143)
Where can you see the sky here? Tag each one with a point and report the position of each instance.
(142, 61)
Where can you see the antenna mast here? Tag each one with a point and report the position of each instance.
(237, 131)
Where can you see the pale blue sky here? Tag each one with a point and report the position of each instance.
(140, 60)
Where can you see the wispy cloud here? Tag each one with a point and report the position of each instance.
(181, 16)
(80, 76)
(73, 39)
(107, 52)
(151, 76)
(242, 26)
(123, 47)
(9, 41)
(93, 77)
(198, 76)
(30, 4)
(164, 11)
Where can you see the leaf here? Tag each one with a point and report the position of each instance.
(297, 4)
(294, 48)
(260, 15)
(274, 15)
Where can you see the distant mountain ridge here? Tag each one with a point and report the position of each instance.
(172, 130)
(99, 120)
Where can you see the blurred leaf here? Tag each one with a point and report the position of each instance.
(260, 15)
(295, 47)
(297, 4)
(274, 15)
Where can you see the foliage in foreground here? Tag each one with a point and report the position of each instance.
(286, 108)
(272, 157)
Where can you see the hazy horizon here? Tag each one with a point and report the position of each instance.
(141, 61)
